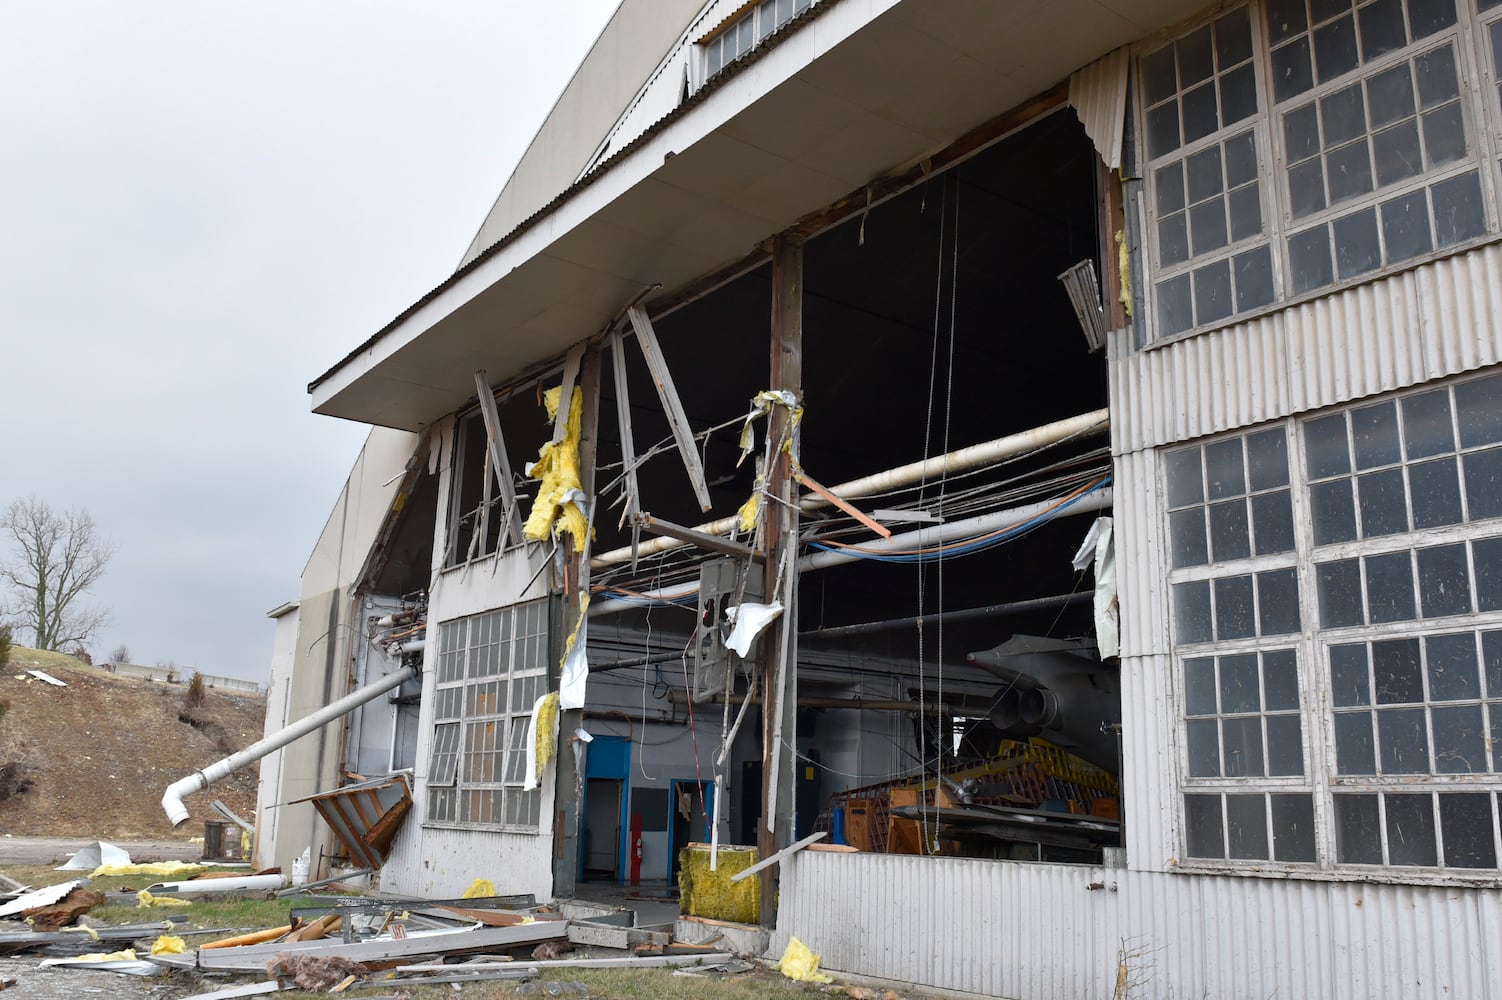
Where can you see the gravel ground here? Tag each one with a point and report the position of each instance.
(36, 983)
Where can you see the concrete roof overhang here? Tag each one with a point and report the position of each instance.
(862, 89)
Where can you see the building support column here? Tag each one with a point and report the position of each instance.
(567, 819)
(780, 642)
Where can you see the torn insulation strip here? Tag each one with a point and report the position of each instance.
(556, 511)
(542, 738)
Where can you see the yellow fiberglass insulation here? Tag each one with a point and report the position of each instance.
(557, 466)
(547, 726)
(711, 894)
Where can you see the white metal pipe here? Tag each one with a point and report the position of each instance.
(1096, 421)
(1100, 499)
(172, 800)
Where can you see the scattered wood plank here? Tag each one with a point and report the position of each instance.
(787, 851)
(249, 958)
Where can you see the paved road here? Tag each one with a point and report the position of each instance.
(55, 850)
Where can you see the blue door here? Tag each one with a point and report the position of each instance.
(605, 809)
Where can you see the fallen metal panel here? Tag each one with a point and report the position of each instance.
(45, 896)
(366, 816)
(252, 958)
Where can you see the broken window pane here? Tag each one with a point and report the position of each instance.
(1233, 608)
(1306, 188)
(1340, 601)
(1293, 827)
(1272, 522)
(1356, 248)
(1168, 184)
(1173, 238)
(1488, 565)
(1159, 81)
(1444, 580)
(1478, 404)
(1384, 509)
(1301, 133)
(1238, 95)
(1184, 480)
(1450, 664)
(1425, 17)
(1491, 658)
(1223, 468)
(1458, 211)
(1293, 73)
(1405, 226)
(1196, 61)
(1241, 159)
(1374, 431)
(1403, 740)
(1334, 512)
(1186, 529)
(1246, 827)
(1466, 826)
(1175, 313)
(1228, 530)
(1285, 18)
(1200, 117)
(1357, 830)
(1435, 488)
(1397, 153)
(1437, 79)
(1267, 455)
(1389, 588)
(1191, 602)
(1426, 424)
(1207, 228)
(1390, 96)
(1163, 130)
(1444, 134)
(1204, 748)
(1354, 750)
(1205, 175)
(1323, 10)
(1199, 686)
(1395, 671)
(1309, 253)
(1280, 680)
(1349, 681)
(1243, 738)
(1212, 283)
(1483, 484)
(1285, 748)
(1410, 830)
(1254, 277)
(1381, 29)
(1233, 38)
(1246, 212)
(1343, 116)
(1326, 448)
(1459, 743)
(1278, 596)
(1203, 827)
(1348, 171)
(1335, 48)
(1239, 689)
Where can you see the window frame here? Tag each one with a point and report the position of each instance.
(503, 654)
(1319, 707)
(1484, 119)
(710, 48)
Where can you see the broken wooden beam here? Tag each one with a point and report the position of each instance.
(499, 460)
(714, 543)
(646, 339)
(787, 851)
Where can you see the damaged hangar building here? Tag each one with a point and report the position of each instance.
(1054, 448)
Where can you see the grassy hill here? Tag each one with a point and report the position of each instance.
(91, 760)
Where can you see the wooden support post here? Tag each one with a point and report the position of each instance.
(617, 343)
(780, 643)
(498, 458)
(568, 822)
(683, 434)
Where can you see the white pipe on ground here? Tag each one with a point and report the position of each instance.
(1100, 499)
(1096, 421)
(172, 800)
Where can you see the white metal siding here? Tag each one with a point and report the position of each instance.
(1429, 322)
(1036, 932)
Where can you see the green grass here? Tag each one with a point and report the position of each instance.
(639, 984)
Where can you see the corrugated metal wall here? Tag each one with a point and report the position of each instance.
(1435, 320)
(1036, 932)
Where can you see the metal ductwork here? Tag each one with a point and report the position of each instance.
(1057, 689)
(172, 800)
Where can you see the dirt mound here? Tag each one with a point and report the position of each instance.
(92, 759)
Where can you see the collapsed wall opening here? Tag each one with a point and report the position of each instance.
(932, 322)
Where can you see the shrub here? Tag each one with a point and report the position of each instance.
(193, 696)
(4, 645)
(120, 655)
(81, 654)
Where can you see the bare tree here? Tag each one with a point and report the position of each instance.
(55, 557)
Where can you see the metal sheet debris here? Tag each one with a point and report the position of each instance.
(45, 896)
(44, 676)
(91, 856)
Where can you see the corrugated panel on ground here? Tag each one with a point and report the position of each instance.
(1439, 319)
(1036, 932)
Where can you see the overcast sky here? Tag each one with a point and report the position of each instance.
(203, 206)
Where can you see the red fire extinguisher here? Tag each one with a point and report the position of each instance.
(636, 849)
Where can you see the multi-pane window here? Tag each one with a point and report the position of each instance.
(1200, 100)
(1377, 686)
(492, 667)
(739, 36)
(1364, 107)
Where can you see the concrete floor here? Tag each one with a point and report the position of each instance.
(659, 909)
